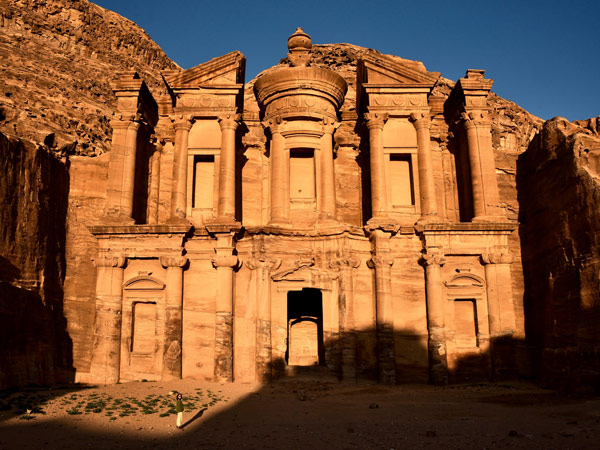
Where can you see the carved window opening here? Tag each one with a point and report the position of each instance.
(302, 178)
(143, 324)
(305, 328)
(465, 322)
(401, 180)
(203, 182)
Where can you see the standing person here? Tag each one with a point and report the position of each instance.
(179, 409)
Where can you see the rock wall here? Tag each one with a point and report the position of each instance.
(57, 59)
(34, 186)
(559, 193)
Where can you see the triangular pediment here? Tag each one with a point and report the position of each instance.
(383, 70)
(224, 70)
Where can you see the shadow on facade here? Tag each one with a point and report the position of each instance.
(300, 385)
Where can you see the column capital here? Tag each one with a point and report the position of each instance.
(376, 120)
(474, 119)
(224, 257)
(275, 124)
(263, 262)
(183, 122)
(229, 121)
(420, 120)
(496, 258)
(345, 262)
(173, 261)
(435, 258)
(117, 261)
(330, 125)
(379, 262)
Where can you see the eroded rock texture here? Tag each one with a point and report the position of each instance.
(57, 59)
(559, 193)
(34, 346)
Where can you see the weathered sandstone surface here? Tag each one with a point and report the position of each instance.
(34, 186)
(57, 59)
(559, 193)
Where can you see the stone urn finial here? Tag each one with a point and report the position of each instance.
(299, 45)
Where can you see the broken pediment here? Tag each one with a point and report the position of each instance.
(143, 283)
(383, 70)
(224, 70)
(305, 272)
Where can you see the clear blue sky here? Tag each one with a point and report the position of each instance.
(543, 55)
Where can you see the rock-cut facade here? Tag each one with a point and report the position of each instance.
(305, 223)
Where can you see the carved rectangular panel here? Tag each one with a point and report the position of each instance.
(144, 328)
(204, 180)
(401, 180)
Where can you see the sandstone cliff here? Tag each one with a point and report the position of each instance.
(34, 186)
(559, 193)
(57, 58)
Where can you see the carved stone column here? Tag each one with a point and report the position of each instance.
(379, 201)
(327, 171)
(183, 126)
(438, 360)
(224, 261)
(173, 317)
(155, 184)
(483, 171)
(106, 350)
(121, 180)
(262, 267)
(382, 262)
(501, 310)
(279, 174)
(346, 311)
(226, 204)
(422, 123)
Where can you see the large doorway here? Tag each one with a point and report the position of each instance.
(305, 328)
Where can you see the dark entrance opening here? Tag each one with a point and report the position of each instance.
(305, 328)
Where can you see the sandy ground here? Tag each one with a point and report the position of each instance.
(312, 414)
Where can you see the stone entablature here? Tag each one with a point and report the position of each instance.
(240, 242)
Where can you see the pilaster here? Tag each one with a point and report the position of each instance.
(226, 203)
(183, 125)
(375, 123)
(432, 260)
(280, 207)
(381, 262)
(106, 350)
(422, 123)
(121, 179)
(346, 265)
(224, 261)
(262, 267)
(172, 357)
(327, 200)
